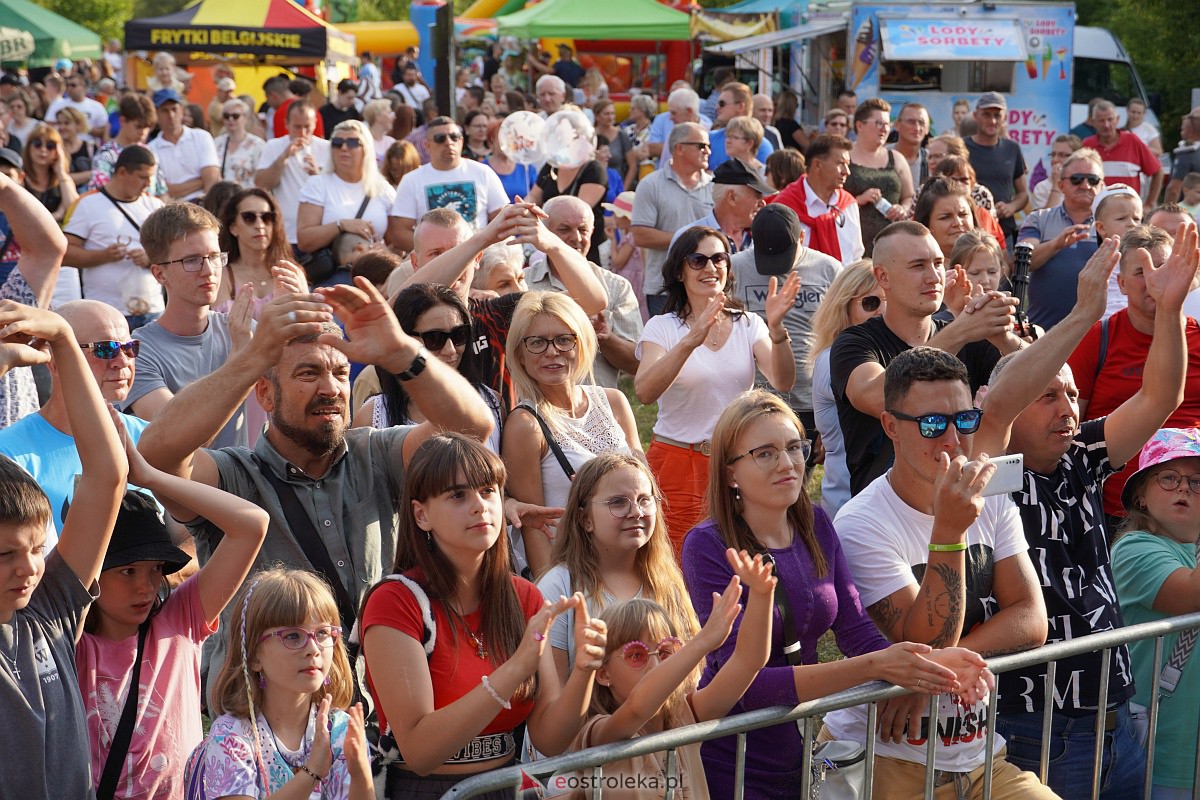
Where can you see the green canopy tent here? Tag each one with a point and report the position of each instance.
(641, 20)
(54, 37)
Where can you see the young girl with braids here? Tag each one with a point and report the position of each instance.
(455, 643)
(282, 731)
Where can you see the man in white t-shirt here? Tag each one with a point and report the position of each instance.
(447, 181)
(187, 156)
(287, 162)
(76, 97)
(938, 564)
(410, 88)
(103, 239)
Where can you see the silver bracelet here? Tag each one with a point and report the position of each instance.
(507, 706)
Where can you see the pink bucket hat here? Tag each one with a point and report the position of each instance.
(1167, 444)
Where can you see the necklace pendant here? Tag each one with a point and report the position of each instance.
(480, 650)
(16, 672)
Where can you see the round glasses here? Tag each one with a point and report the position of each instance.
(563, 343)
(637, 654)
(1169, 480)
(932, 426)
(297, 638)
(622, 507)
(767, 456)
(870, 303)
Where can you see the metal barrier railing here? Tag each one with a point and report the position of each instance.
(868, 693)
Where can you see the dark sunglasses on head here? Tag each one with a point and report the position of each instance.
(435, 340)
(699, 261)
(1093, 180)
(870, 303)
(44, 143)
(932, 426)
(347, 142)
(107, 350)
(232, 116)
(442, 138)
(250, 217)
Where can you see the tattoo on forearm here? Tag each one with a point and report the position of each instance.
(945, 606)
(886, 615)
(1029, 644)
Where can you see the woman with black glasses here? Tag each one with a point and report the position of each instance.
(47, 171)
(697, 356)
(237, 148)
(252, 233)
(438, 317)
(563, 422)
(349, 196)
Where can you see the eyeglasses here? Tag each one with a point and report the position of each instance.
(298, 638)
(622, 507)
(442, 138)
(879, 123)
(870, 303)
(1093, 180)
(196, 263)
(563, 343)
(767, 456)
(932, 426)
(107, 350)
(723, 103)
(251, 217)
(701, 146)
(44, 144)
(1169, 480)
(231, 116)
(699, 261)
(350, 143)
(435, 340)
(637, 654)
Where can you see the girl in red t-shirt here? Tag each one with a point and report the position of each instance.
(455, 643)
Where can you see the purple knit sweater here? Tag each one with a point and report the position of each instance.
(818, 605)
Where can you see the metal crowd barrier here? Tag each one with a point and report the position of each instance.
(594, 758)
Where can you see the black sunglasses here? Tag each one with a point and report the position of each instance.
(435, 340)
(442, 138)
(932, 426)
(350, 143)
(43, 143)
(870, 303)
(232, 116)
(1093, 180)
(699, 261)
(250, 217)
(107, 350)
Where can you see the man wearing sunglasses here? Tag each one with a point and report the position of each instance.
(1063, 238)
(103, 235)
(43, 443)
(447, 181)
(1033, 407)
(939, 564)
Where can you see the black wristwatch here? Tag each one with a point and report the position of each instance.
(416, 368)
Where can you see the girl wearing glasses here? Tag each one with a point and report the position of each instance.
(647, 681)
(612, 546)
(1154, 567)
(852, 299)
(282, 731)
(559, 422)
(47, 171)
(757, 503)
(138, 618)
(438, 317)
(350, 196)
(237, 147)
(455, 643)
(698, 356)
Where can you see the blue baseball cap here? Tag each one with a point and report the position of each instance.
(164, 96)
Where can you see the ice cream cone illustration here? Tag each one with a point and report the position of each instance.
(1062, 63)
(1047, 57)
(864, 51)
(1031, 65)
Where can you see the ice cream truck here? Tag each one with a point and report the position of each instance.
(940, 53)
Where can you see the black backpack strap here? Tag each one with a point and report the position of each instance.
(1103, 348)
(124, 734)
(791, 638)
(362, 209)
(120, 208)
(550, 441)
(310, 542)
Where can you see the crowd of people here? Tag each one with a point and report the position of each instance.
(347, 392)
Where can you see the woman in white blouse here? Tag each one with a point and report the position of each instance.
(237, 148)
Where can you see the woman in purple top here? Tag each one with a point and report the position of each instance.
(757, 501)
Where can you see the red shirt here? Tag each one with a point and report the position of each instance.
(454, 665)
(1126, 161)
(279, 121)
(1121, 377)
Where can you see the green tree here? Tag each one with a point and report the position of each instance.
(105, 17)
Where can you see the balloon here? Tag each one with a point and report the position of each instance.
(568, 139)
(520, 137)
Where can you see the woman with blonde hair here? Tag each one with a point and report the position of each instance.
(70, 123)
(282, 730)
(612, 546)
(559, 422)
(350, 196)
(743, 137)
(47, 175)
(237, 148)
(852, 298)
(380, 116)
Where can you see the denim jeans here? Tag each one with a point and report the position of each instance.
(1072, 745)
(139, 320)
(655, 303)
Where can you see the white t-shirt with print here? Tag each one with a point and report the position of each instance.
(472, 189)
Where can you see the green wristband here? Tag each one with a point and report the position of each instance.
(947, 548)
